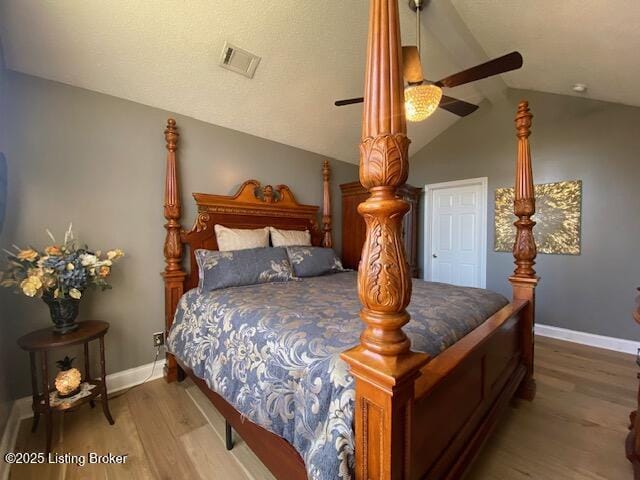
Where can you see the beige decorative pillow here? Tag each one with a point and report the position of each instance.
(241, 238)
(289, 238)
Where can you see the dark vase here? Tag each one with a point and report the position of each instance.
(64, 312)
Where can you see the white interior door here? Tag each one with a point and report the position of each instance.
(455, 250)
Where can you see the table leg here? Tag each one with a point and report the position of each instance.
(45, 392)
(228, 435)
(34, 390)
(87, 369)
(105, 399)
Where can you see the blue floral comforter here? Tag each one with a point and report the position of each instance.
(272, 351)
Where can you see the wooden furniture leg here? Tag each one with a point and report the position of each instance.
(45, 393)
(228, 434)
(105, 398)
(87, 369)
(34, 390)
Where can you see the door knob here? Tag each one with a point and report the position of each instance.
(435, 256)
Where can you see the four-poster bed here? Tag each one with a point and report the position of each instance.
(415, 415)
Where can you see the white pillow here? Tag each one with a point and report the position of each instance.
(290, 238)
(240, 238)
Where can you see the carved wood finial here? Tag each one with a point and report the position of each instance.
(172, 207)
(267, 194)
(384, 281)
(327, 241)
(524, 205)
(171, 135)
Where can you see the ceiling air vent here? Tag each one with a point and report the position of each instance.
(239, 60)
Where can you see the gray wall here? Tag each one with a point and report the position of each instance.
(80, 156)
(6, 397)
(573, 138)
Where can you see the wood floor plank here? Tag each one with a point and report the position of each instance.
(575, 427)
(623, 395)
(176, 407)
(120, 438)
(210, 460)
(588, 370)
(168, 458)
(35, 442)
(584, 351)
(573, 430)
(251, 465)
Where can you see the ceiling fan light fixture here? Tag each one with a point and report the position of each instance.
(420, 101)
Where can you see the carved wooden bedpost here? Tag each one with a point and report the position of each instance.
(327, 242)
(173, 273)
(524, 279)
(383, 365)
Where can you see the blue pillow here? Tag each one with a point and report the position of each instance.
(242, 267)
(314, 261)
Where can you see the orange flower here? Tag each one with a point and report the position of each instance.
(104, 271)
(53, 251)
(29, 255)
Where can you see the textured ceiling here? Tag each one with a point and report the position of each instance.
(165, 54)
(564, 42)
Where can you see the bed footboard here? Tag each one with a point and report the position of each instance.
(461, 393)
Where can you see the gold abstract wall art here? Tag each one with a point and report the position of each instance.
(558, 216)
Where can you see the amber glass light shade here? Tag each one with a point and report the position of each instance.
(420, 101)
(68, 381)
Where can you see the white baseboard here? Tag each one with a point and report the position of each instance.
(591, 339)
(21, 408)
(134, 376)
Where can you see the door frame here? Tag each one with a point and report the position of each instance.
(429, 190)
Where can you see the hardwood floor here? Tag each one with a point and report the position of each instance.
(574, 429)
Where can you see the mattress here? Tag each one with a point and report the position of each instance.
(272, 351)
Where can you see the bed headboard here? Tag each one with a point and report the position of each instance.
(253, 206)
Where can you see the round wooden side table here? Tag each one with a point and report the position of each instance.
(45, 340)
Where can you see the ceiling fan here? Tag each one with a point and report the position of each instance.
(423, 96)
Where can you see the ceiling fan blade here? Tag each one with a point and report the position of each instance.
(458, 107)
(412, 67)
(348, 101)
(506, 63)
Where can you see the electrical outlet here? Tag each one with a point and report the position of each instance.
(158, 339)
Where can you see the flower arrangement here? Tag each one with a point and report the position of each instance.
(60, 273)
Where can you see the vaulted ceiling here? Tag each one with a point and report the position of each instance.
(594, 42)
(165, 54)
